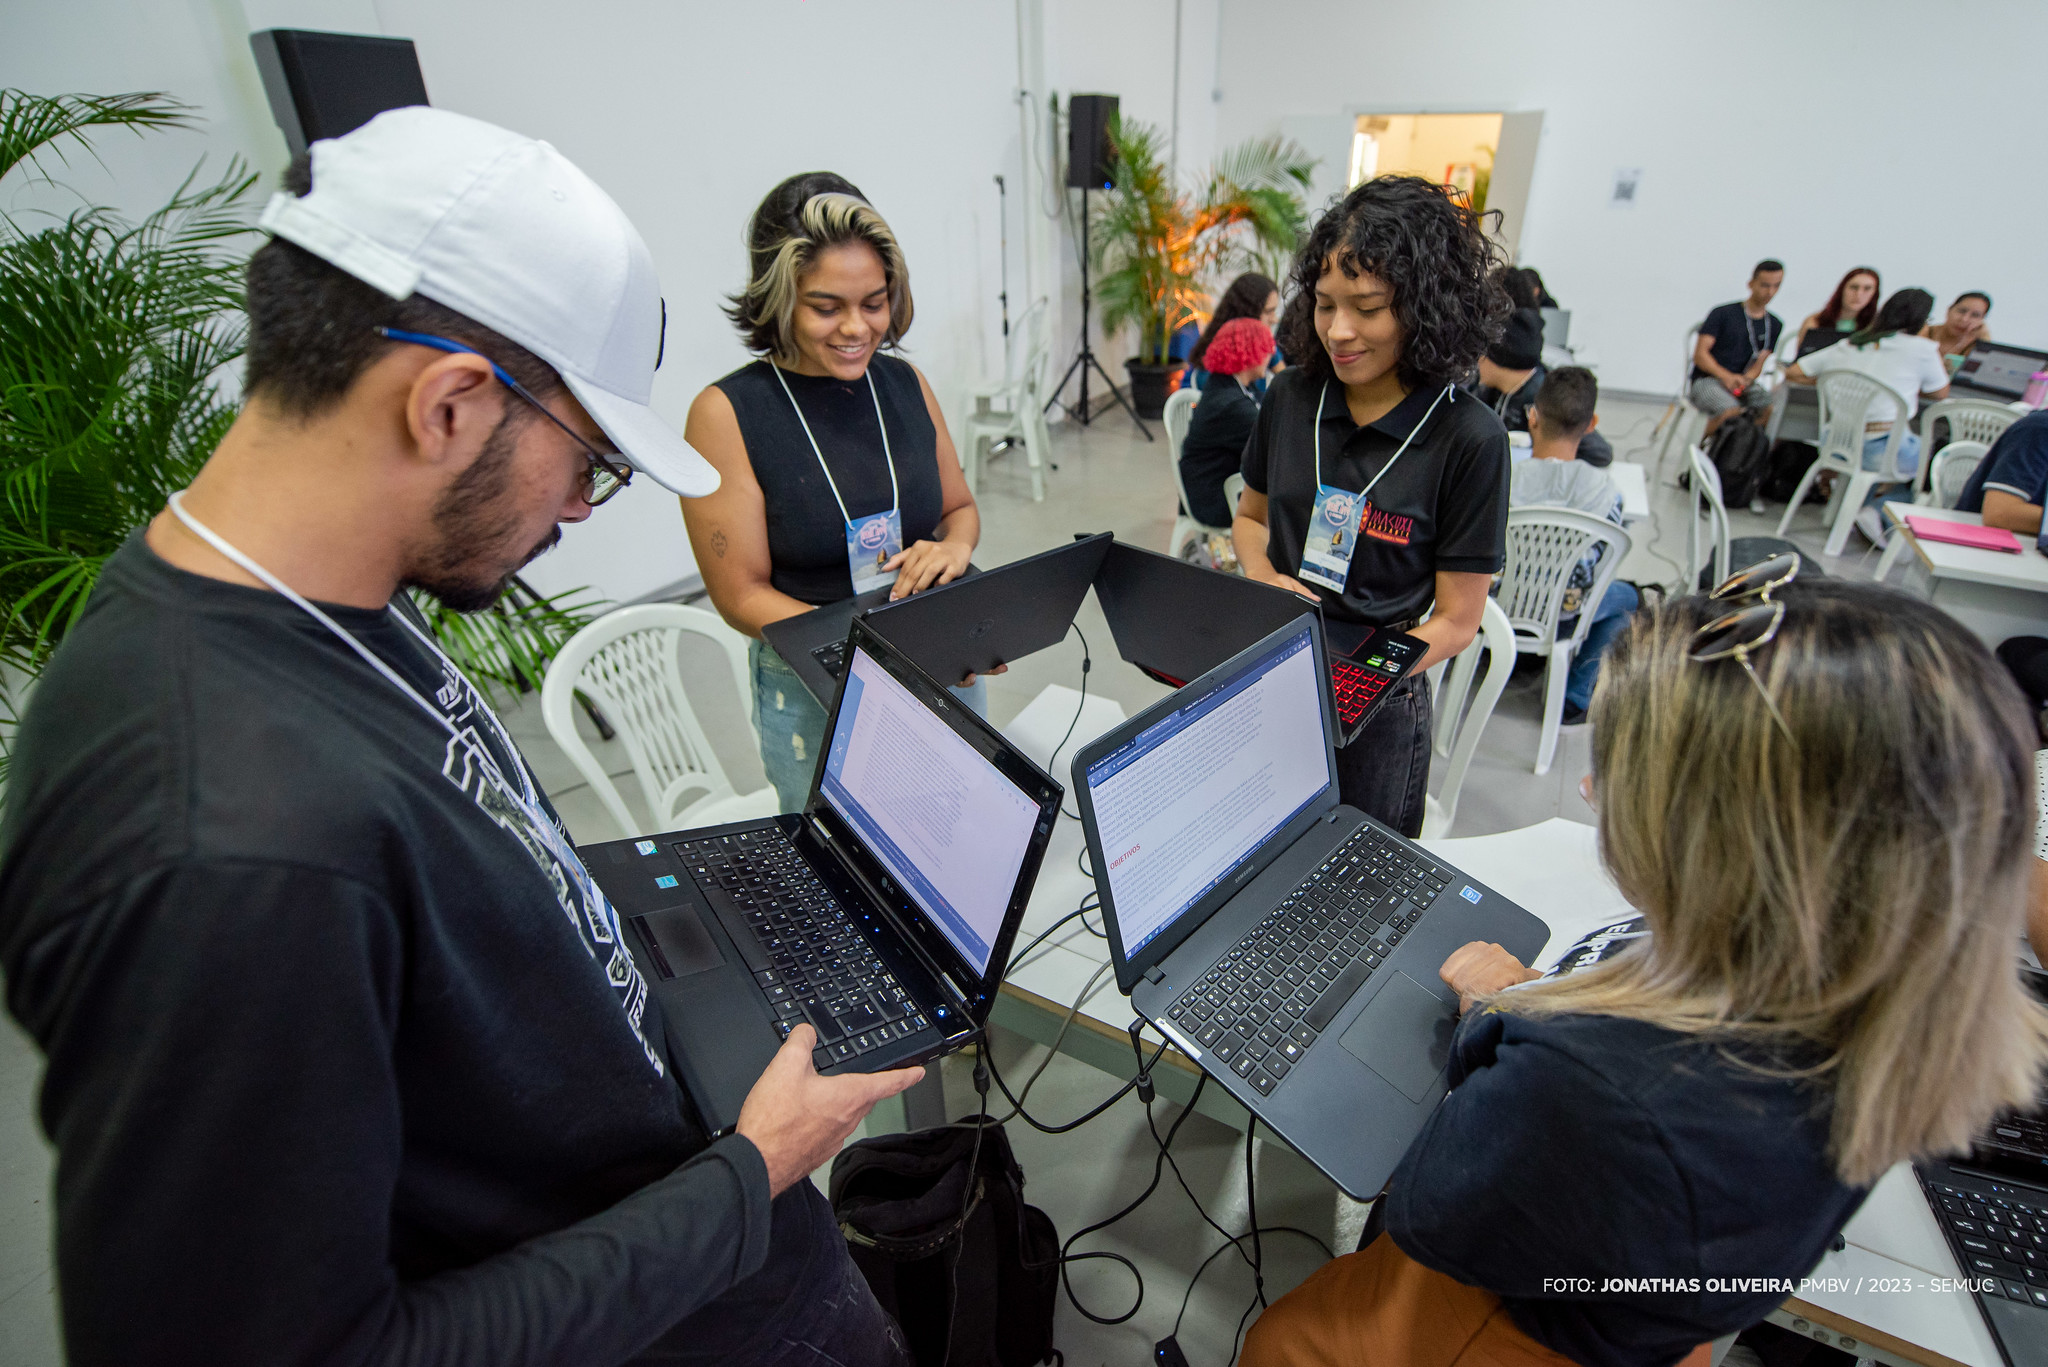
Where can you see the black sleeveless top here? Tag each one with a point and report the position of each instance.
(806, 534)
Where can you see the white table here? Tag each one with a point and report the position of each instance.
(1553, 869)
(1634, 483)
(1994, 593)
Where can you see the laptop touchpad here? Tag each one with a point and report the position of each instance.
(1404, 1035)
(677, 942)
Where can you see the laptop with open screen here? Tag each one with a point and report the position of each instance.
(1998, 371)
(1286, 943)
(883, 914)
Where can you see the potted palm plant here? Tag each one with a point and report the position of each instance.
(1155, 243)
(115, 339)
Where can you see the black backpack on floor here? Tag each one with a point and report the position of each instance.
(1741, 452)
(976, 1292)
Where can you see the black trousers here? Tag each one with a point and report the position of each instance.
(2027, 658)
(1385, 772)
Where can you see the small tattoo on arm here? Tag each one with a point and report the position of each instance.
(718, 544)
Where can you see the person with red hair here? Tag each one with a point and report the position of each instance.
(1853, 305)
(1238, 358)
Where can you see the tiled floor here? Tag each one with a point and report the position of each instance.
(1108, 478)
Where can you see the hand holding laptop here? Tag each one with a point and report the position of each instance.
(1474, 970)
(798, 1118)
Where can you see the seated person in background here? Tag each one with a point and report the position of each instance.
(1214, 448)
(1962, 329)
(1251, 295)
(1893, 352)
(2010, 484)
(1554, 477)
(1525, 287)
(1853, 305)
(1511, 374)
(1714, 1098)
(1734, 342)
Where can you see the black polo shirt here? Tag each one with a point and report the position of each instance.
(1444, 505)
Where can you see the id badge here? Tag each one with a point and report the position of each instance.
(870, 542)
(1332, 534)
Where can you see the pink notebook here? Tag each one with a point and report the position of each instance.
(1963, 534)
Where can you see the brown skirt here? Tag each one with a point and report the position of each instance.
(1379, 1306)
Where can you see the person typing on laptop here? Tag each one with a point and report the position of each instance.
(1816, 793)
(347, 1060)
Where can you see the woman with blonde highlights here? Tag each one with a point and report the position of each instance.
(1820, 797)
(836, 472)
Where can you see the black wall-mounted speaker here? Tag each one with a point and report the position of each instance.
(322, 85)
(1088, 159)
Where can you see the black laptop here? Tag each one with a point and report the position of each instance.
(972, 626)
(1996, 371)
(1174, 621)
(1992, 1206)
(813, 644)
(883, 914)
(1289, 945)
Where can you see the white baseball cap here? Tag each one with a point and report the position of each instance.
(502, 229)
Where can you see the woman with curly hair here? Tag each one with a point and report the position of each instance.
(1373, 488)
(1251, 295)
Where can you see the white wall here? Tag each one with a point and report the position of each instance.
(1752, 142)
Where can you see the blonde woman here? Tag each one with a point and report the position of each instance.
(1820, 796)
(836, 474)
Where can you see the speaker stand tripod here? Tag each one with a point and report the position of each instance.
(1086, 361)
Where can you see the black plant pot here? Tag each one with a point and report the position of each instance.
(1150, 384)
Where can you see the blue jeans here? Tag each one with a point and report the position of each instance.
(1909, 461)
(1620, 600)
(792, 724)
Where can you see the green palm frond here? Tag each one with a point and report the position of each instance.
(35, 127)
(1157, 244)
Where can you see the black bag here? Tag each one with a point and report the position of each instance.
(1740, 451)
(1788, 462)
(976, 1292)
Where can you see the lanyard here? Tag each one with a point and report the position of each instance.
(527, 798)
(894, 500)
(1390, 460)
(1756, 348)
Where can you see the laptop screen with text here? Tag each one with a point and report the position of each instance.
(945, 823)
(1183, 803)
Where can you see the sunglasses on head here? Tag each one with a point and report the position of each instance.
(1738, 633)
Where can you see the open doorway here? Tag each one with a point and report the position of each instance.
(1488, 155)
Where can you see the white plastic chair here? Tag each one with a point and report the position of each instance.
(1846, 399)
(1014, 408)
(1544, 546)
(1947, 475)
(1716, 548)
(1178, 417)
(629, 664)
(1686, 411)
(1969, 420)
(1458, 727)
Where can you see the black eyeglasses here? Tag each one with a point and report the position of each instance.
(1747, 629)
(601, 480)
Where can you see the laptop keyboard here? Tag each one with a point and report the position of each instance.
(2001, 1233)
(832, 657)
(812, 964)
(1267, 1000)
(1355, 689)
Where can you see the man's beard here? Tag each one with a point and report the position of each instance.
(474, 517)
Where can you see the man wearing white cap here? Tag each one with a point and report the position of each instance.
(346, 1061)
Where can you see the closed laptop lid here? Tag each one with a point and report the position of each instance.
(943, 818)
(1186, 802)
